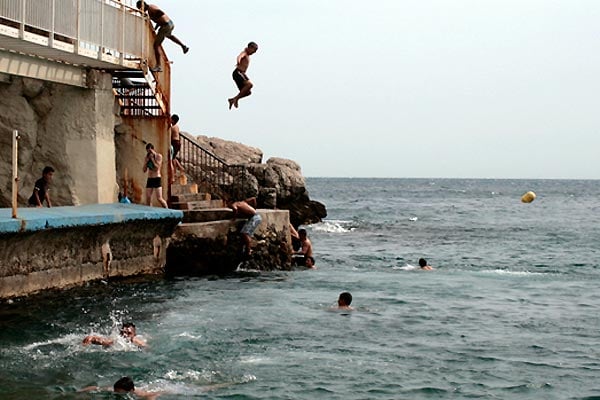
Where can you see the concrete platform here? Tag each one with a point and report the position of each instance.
(38, 219)
(207, 215)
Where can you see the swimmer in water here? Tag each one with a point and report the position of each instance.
(424, 266)
(122, 386)
(125, 385)
(127, 331)
(344, 301)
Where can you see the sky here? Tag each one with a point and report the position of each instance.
(398, 88)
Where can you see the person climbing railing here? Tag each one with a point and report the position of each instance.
(211, 173)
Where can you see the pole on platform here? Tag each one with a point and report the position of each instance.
(15, 172)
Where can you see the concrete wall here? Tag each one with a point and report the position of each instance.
(67, 127)
(59, 258)
(131, 136)
(215, 247)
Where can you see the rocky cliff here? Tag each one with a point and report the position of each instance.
(66, 127)
(278, 183)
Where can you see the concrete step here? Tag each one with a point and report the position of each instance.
(184, 198)
(207, 215)
(184, 189)
(198, 205)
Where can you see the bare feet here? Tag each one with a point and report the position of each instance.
(233, 102)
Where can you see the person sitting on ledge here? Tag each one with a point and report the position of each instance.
(128, 331)
(41, 189)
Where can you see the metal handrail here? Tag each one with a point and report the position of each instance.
(211, 173)
(136, 99)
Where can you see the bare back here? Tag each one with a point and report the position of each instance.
(244, 208)
(157, 15)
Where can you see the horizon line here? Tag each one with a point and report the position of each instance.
(496, 179)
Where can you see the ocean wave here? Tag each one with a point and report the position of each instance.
(67, 340)
(407, 267)
(191, 375)
(254, 360)
(334, 226)
(514, 273)
(189, 336)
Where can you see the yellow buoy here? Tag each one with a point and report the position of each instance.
(528, 197)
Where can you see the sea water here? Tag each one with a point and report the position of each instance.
(511, 311)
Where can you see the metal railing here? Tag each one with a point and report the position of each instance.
(136, 98)
(104, 27)
(212, 174)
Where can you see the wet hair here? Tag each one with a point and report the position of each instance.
(149, 146)
(139, 5)
(346, 297)
(253, 44)
(125, 383)
(422, 262)
(311, 258)
(301, 232)
(128, 325)
(175, 118)
(47, 170)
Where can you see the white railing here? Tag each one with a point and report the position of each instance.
(113, 27)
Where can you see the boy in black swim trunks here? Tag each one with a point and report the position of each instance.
(239, 74)
(152, 164)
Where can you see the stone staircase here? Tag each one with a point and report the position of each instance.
(197, 207)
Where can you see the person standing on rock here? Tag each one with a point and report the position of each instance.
(239, 74)
(152, 164)
(246, 208)
(41, 189)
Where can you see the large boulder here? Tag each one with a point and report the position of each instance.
(232, 152)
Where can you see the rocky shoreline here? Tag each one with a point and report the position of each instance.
(277, 183)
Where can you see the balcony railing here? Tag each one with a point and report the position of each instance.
(112, 31)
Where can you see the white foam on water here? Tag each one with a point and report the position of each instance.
(254, 360)
(333, 226)
(413, 219)
(514, 273)
(407, 267)
(190, 374)
(189, 336)
(248, 378)
(67, 340)
(241, 268)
